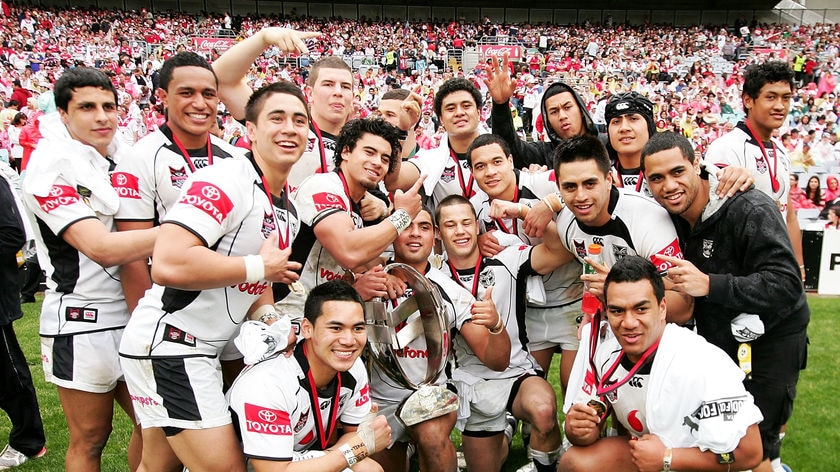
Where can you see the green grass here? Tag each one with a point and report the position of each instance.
(811, 444)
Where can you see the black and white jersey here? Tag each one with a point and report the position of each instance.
(446, 173)
(319, 196)
(507, 273)
(457, 302)
(149, 180)
(739, 148)
(637, 226)
(273, 405)
(562, 285)
(318, 158)
(67, 182)
(631, 179)
(233, 217)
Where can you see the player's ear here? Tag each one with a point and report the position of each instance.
(306, 328)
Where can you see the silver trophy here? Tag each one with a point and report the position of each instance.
(391, 331)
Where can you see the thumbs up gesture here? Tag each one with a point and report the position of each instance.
(484, 312)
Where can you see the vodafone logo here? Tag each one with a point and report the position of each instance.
(208, 198)
(59, 195)
(126, 185)
(264, 420)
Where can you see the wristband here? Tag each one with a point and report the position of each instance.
(666, 461)
(365, 433)
(400, 220)
(347, 452)
(264, 313)
(254, 268)
(521, 210)
(547, 200)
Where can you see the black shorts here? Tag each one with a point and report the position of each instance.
(776, 364)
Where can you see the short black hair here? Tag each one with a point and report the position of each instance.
(396, 94)
(635, 269)
(668, 140)
(79, 77)
(758, 75)
(182, 59)
(453, 200)
(333, 291)
(353, 131)
(258, 98)
(456, 85)
(581, 148)
(487, 140)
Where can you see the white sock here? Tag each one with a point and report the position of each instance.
(776, 464)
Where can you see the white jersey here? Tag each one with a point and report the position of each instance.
(320, 196)
(232, 217)
(66, 182)
(457, 302)
(739, 148)
(317, 158)
(274, 410)
(631, 179)
(562, 285)
(446, 173)
(506, 272)
(150, 179)
(638, 226)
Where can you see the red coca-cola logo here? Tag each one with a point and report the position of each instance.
(514, 52)
(206, 44)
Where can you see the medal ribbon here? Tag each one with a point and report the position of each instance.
(600, 388)
(454, 271)
(186, 155)
(774, 182)
(323, 436)
(466, 189)
(282, 242)
(321, 148)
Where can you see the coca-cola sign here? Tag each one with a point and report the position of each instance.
(514, 52)
(207, 44)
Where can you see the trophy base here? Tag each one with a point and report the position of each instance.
(428, 402)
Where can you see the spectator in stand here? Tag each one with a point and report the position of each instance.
(813, 192)
(798, 198)
(832, 189)
(833, 218)
(16, 154)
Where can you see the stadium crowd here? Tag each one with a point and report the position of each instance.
(381, 135)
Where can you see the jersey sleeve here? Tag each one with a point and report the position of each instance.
(359, 404)
(263, 410)
(60, 208)
(721, 154)
(659, 237)
(316, 199)
(211, 203)
(134, 182)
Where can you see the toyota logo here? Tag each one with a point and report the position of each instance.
(55, 191)
(268, 416)
(210, 192)
(121, 180)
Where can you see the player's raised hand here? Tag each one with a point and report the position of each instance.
(411, 200)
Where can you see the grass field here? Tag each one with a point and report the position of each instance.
(812, 443)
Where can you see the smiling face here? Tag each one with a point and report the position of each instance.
(493, 171)
(769, 109)
(586, 191)
(336, 339)
(628, 134)
(91, 117)
(191, 101)
(281, 130)
(459, 114)
(367, 163)
(459, 232)
(414, 245)
(674, 182)
(635, 317)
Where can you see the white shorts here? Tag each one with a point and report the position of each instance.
(549, 328)
(489, 404)
(88, 362)
(176, 393)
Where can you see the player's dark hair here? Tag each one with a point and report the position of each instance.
(758, 75)
(182, 59)
(353, 131)
(668, 140)
(332, 291)
(487, 140)
(581, 148)
(329, 62)
(79, 77)
(453, 200)
(258, 98)
(456, 85)
(635, 269)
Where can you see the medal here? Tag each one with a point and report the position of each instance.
(297, 288)
(598, 406)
